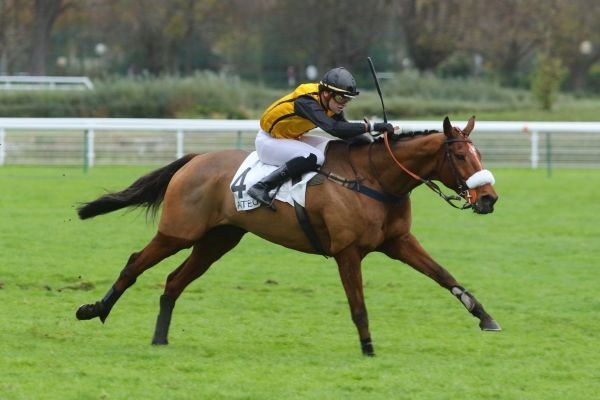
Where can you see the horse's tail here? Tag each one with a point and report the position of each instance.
(148, 191)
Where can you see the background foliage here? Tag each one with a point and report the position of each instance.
(261, 40)
(408, 95)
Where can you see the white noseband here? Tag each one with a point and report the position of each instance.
(480, 178)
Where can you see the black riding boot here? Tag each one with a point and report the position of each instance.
(295, 167)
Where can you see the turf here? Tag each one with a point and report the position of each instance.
(269, 323)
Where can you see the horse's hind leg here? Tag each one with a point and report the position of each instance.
(407, 249)
(161, 247)
(206, 251)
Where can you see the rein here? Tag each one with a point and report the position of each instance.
(464, 194)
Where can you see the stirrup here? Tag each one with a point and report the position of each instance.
(271, 204)
(271, 199)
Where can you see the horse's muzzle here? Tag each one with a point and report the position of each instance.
(485, 204)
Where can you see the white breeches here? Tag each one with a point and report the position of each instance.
(278, 151)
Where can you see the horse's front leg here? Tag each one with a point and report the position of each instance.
(349, 266)
(408, 250)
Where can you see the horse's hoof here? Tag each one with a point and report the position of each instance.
(490, 325)
(367, 347)
(86, 311)
(160, 342)
(89, 311)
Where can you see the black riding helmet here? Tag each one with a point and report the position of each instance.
(339, 80)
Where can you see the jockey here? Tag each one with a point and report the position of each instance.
(280, 140)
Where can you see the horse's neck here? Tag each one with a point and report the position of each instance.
(420, 155)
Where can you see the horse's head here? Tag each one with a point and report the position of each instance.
(462, 169)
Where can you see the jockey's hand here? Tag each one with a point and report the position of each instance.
(383, 127)
(377, 128)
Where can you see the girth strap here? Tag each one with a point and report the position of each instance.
(372, 193)
(306, 226)
(367, 191)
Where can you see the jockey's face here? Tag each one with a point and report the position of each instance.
(335, 102)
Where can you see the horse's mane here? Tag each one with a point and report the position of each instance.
(407, 134)
(395, 137)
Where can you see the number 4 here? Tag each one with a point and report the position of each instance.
(238, 185)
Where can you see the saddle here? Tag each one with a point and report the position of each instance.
(251, 171)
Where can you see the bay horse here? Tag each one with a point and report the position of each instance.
(364, 206)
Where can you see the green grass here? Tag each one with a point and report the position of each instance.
(269, 323)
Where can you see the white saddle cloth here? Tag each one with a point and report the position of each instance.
(251, 171)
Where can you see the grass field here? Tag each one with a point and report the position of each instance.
(269, 323)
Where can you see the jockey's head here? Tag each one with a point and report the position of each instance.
(338, 85)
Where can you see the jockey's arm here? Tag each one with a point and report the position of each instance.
(337, 126)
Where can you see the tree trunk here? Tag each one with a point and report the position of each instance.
(45, 14)
(578, 72)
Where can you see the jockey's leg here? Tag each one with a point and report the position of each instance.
(294, 157)
(277, 152)
(293, 168)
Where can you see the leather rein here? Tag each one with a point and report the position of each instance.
(386, 197)
(463, 190)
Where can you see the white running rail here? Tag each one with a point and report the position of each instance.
(538, 141)
(24, 82)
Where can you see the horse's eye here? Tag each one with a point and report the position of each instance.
(460, 157)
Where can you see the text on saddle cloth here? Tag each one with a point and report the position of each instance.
(251, 171)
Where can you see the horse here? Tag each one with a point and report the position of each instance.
(361, 205)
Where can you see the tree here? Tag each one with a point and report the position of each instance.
(172, 38)
(431, 28)
(45, 13)
(324, 33)
(547, 78)
(575, 38)
(509, 34)
(260, 39)
(505, 33)
(14, 24)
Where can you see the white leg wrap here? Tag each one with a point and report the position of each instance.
(463, 297)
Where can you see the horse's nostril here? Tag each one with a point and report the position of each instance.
(489, 199)
(485, 204)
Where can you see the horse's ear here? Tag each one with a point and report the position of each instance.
(447, 127)
(470, 126)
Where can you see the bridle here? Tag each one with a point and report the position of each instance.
(466, 189)
(464, 192)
